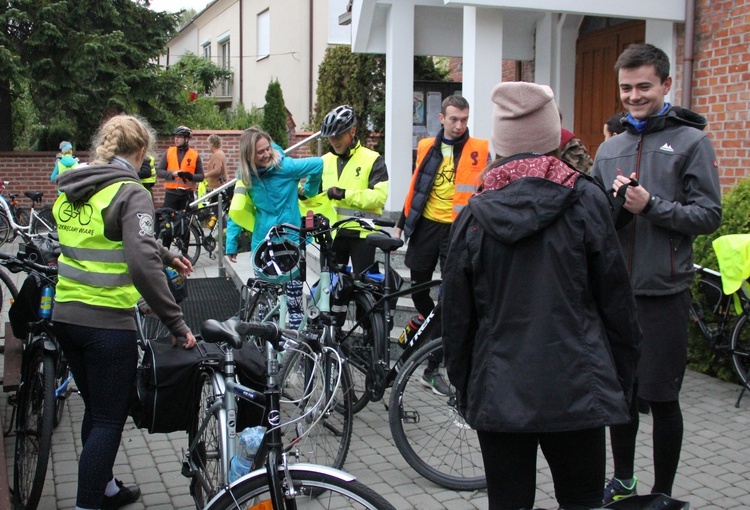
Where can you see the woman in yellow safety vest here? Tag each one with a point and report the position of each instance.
(109, 260)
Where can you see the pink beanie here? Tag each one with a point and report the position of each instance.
(525, 119)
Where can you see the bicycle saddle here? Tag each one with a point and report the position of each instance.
(214, 332)
(34, 196)
(384, 242)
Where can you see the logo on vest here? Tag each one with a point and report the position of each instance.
(358, 170)
(666, 147)
(146, 222)
(80, 211)
(475, 158)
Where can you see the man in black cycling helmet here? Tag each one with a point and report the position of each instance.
(182, 169)
(355, 179)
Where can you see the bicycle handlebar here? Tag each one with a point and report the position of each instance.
(15, 264)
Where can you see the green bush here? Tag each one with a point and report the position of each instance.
(735, 220)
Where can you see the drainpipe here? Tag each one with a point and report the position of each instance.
(310, 65)
(242, 59)
(687, 58)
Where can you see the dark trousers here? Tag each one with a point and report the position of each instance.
(428, 244)
(177, 199)
(349, 244)
(103, 363)
(576, 459)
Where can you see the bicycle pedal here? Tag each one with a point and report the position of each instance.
(187, 470)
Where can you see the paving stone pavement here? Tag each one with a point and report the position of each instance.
(714, 470)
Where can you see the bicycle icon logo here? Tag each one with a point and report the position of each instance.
(82, 211)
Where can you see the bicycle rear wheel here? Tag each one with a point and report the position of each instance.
(320, 436)
(430, 432)
(35, 415)
(358, 345)
(315, 491)
(741, 349)
(206, 454)
(47, 223)
(188, 246)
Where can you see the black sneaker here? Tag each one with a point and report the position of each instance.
(125, 496)
(434, 380)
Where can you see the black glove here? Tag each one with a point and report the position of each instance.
(185, 176)
(336, 193)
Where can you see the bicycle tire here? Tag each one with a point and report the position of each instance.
(36, 408)
(61, 375)
(327, 443)
(190, 246)
(429, 431)
(259, 304)
(357, 347)
(8, 294)
(22, 216)
(45, 214)
(5, 229)
(740, 348)
(315, 490)
(207, 454)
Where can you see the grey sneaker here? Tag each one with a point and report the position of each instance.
(434, 379)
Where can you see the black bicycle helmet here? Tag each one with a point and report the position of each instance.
(338, 121)
(276, 261)
(183, 131)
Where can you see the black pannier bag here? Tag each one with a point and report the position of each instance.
(168, 385)
(171, 224)
(25, 307)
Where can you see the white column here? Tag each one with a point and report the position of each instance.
(399, 90)
(662, 34)
(483, 65)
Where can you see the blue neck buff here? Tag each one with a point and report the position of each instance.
(640, 125)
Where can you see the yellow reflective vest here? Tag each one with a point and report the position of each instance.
(355, 179)
(91, 268)
(241, 209)
(151, 178)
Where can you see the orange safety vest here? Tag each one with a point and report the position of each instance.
(473, 160)
(188, 164)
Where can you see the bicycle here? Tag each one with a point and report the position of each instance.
(185, 231)
(727, 331)
(45, 380)
(272, 483)
(427, 428)
(15, 220)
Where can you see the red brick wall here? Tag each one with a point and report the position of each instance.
(721, 82)
(30, 171)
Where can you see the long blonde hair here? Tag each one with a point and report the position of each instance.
(124, 136)
(248, 142)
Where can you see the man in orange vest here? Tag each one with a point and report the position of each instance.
(182, 169)
(446, 176)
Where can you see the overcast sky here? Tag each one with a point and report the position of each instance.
(176, 5)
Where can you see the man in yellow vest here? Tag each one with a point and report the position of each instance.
(182, 169)
(446, 176)
(355, 179)
(147, 173)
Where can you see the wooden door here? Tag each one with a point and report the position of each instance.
(597, 96)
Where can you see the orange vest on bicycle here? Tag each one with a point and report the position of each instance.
(188, 164)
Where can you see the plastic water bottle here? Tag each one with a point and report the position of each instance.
(411, 329)
(45, 305)
(248, 444)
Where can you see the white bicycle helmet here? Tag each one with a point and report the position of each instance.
(338, 121)
(276, 261)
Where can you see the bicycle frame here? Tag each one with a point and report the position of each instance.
(26, 231)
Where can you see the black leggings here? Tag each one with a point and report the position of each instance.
(576, 459)
(103, 363)
(349, 244)
(667, 438)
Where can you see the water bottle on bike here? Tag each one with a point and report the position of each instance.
(249, 442)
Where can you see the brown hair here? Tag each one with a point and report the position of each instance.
(639, 55)
(455, 101)
(248, 142)
(214, 141)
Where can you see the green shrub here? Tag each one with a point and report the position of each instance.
(735, 220)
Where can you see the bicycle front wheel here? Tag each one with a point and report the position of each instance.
(8, 294)
(429, 431)
(5, 229)
(36, 409)
(315, 491)
(205, 445)
(319, 436)
(741, 349)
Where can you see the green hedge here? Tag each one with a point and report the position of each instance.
(735, 220)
